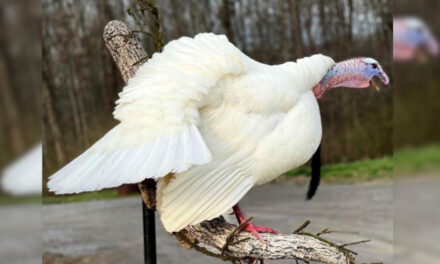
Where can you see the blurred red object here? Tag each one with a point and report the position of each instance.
(127, 189)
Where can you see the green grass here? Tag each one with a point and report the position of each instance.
(88, 196)
(359, 171)
(418, 159)
(9, 200)
(409, 160)
(363, 170)
(415, 159)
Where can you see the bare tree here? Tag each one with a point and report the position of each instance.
(11, 110)
(52, 125)
(297, 36)
(226, 14)
(283, 30)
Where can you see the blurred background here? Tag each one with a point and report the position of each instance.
(417, 143)
(20, 78)
(81, 83)
(20, 131)
(417, 83)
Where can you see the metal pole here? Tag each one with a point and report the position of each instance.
(149, 235)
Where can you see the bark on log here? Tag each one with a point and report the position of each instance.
(127, 51)
(278, 246)
(129, 55)
(124, 47)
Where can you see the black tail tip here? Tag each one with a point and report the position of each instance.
(310, 194)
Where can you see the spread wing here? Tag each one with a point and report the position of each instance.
(159, 115)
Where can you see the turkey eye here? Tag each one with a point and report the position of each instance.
(374, 65)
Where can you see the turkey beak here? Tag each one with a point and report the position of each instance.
(383, 77)
(374, 84)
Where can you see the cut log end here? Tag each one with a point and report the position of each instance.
(124, 47)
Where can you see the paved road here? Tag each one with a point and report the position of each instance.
(20, 234)
(416, 219)
(110, 231)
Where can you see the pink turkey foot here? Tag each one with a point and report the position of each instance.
(250, 227)
(260, 229)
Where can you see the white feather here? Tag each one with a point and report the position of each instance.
(206, 191)
(112, 161)
(219, 120)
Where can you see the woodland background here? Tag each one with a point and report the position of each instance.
(417, 93)
(80, 82)
(20, 77)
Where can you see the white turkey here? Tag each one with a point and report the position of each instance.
(209, 123)
(412, 38)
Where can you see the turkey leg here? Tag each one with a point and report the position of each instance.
(254, 229)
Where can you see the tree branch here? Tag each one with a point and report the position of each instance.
(125, 51)
(278, 246)
(216, 234)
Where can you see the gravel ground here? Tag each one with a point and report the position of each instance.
(110, 231)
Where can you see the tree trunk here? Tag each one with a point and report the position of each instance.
(283, 31)
(261, 36)
(308, 26)
(322, 22)
(11, 110)
(226, 14)
(52, 124)
(349, 24)
(297, 36)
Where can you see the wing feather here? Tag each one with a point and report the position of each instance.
(159, 115)
(113, 161)
(198, 195)
(205, 191)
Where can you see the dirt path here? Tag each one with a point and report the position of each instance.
(111, 231)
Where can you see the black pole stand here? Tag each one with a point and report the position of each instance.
(149, 235)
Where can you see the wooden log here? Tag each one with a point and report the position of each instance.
(278, 246)
(129, 55)
(124, 47)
